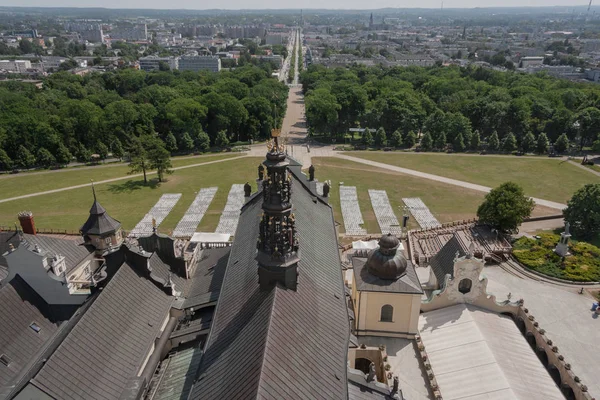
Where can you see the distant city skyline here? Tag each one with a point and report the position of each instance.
(294, 4)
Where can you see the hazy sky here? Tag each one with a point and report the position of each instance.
(278, 4)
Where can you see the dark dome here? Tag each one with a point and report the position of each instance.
(388, 244)
(387, 262)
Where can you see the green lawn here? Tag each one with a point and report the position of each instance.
(20, 184)
(545, 178)
(129, 200)
(448, 203)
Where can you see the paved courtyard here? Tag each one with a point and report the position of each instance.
(566, 317)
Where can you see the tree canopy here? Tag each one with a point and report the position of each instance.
(447, 101)
(505, 207)
(583, 211)
(84, 115)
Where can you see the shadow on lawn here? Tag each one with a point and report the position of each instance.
(130, 186)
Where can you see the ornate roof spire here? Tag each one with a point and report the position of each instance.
(277, 243)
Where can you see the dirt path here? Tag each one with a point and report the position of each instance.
(115, 179)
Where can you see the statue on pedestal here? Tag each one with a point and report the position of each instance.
(261, 172)
(311, 173)
(247, 190)
(326, 189)
(562, 248)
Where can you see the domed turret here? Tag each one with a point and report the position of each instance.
(387, 262)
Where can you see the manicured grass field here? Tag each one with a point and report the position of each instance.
(446, 202)
(129, 200)
(21, 184)
(544, 178)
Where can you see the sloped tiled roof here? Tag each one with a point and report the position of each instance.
(443, 262)
(205, 285)
(6, 239)
(19, 307)
(73, 250)
(365, 281)
(275, 343)
(99, 222)
(109, 344)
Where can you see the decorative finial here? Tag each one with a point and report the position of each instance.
(153, 225)
(93, 189)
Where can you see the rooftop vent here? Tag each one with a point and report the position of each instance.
(4, 359)
(35, 327)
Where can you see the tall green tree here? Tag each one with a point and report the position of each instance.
(24, 158)
(63, 155)
(6, 163)
(45, 158)
(562, 143)
(509, 143)
(396, 139)
(186, 143)
(541, 146)
(528, 143)
(202, 141)
(367, 137)
(426, 142)
(221, 140)
(380, 138)
(158, 156)
(583, 211)
(475, 141)
(139, 161)
(117, 149)
(505, 207)
(102, 150)
(459, 143)
(410, 139)
(493, 142)
(171, 142)
(440, 141)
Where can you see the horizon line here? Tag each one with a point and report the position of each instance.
(302, 9)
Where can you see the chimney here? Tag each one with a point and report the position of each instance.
(27, 223)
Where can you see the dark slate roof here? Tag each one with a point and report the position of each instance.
(109, 344)
(205, 285)
(99, 222)
(6, 239)
(73, 250)
(443, 262)
(274, 343)
(20, 306)
(365, 281)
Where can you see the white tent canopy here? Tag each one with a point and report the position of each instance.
(209, 237)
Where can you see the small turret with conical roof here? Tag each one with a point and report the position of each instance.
(101, 230)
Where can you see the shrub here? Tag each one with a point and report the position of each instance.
(582, 266)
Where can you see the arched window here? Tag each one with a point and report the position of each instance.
(464, 286)
(387, 312)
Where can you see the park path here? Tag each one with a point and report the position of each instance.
(80, 167)
(455, 182)
(114, 179)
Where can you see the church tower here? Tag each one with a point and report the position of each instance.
(277, 244)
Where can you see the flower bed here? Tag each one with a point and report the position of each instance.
(538, 254)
